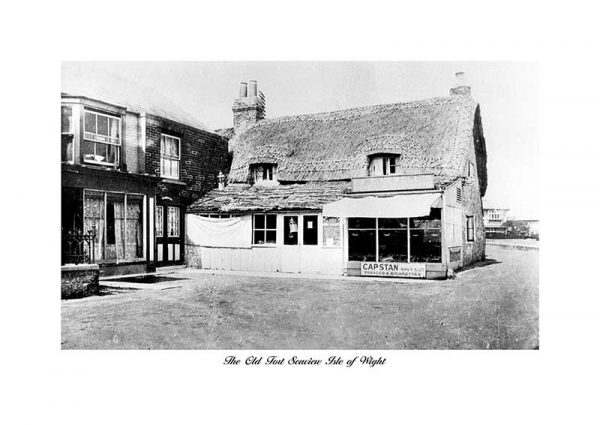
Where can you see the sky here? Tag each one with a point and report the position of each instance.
(506, 91)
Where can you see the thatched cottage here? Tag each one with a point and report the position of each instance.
(388, 190)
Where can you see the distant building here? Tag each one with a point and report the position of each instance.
(387, 190)
(494, 220)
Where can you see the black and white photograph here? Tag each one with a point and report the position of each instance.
(317, 212)
(311, 205)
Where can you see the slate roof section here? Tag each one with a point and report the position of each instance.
(246, 198)
(89, 81)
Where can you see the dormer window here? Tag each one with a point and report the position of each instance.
(263, 173)
(384, 165)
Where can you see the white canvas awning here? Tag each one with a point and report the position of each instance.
(409, 205)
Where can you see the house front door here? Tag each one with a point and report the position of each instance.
(169, 235)
(290, 253)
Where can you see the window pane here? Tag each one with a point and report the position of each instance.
(361, 245)
(115, 227)
(173, 221)
(392, 223)
(66, 119)
(93, 213)
(112, 153)
(133, 231)
(425, 246)
(290, 230)
(393, 246)
(102, 125)
(361, 223)
(271, 236)
(259, 221)
(114, 128)
(66, 147)
(272, 221)
(331, 231)
(159, 221)
(90, 122)
(310, 229)
(259, 236)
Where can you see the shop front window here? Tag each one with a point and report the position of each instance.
(397, 240)
(117, 219)
(361, 239)
(426, 238)
(393, 242)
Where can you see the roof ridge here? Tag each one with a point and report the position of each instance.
(363, 110)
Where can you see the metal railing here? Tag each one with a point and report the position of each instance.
(80, 246)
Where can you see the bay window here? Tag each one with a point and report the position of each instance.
(170, 155)
(101, 139)
(67, 133)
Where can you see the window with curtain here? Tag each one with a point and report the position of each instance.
(118, 220)
(169, 156)
(101, 139)
(159, 222)
(133, 228)
(67, 133)
(172, 222)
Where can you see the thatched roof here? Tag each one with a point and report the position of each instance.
(431, 136)
(246, 198)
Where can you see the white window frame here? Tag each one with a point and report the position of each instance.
(470, 228)
(265, 229)
(171, 159)
(93, 137)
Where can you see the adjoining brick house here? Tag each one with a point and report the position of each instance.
(132, 162)
(388, 190)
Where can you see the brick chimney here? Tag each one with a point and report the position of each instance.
(461, 87)
(248, 108)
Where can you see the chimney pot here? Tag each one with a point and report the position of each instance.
(253, 90)
(243, 90)
(461, 88)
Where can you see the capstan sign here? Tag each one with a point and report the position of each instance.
(392, 269)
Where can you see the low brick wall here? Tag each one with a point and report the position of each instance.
(79, 280)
